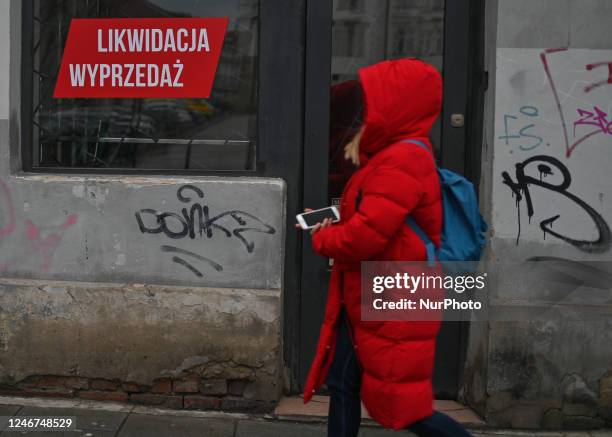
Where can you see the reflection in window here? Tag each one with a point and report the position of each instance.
(366, 32)
(217, 133)
(385, 29)
(348, 38)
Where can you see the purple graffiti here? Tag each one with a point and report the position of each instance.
(570, 147)
(597, 118)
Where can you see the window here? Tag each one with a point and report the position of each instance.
(218, 133)
(382, 29)
(348, 38)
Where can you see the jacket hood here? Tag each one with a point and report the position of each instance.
(402, 100)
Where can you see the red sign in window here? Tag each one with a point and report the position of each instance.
(140, 57)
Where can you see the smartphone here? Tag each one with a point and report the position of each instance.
(309, 220)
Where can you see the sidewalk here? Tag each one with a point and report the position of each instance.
(105, 419)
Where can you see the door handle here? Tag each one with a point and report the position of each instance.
(457, 120)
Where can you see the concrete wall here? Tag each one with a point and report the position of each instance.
(551, 83)
(207, 311)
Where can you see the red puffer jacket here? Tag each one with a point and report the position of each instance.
(396, 179)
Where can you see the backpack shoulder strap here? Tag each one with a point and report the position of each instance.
(418, 143)
(429, 245)
(424, 146)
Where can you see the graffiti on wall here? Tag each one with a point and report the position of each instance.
(547, 166)
(518, 129)
(594, 117)
(542, 130)
(195, 220)
(572, 143)
(33, 243)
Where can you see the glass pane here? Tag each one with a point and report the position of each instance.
(217, 133)
(366, 32)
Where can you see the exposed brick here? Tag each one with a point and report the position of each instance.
(59, 392)
(103, 384)
(162, 386)
(236, 387)
(194, 402)
(9, 390)
(186, 386)
(55, 381)
(241, 405)
(45, 381)
(94, 395)
(214, 387)
(131, 387)
(53, 393)
(175, 402)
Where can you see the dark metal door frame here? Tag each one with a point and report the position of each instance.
(316, 155)
(464, 84)
(281, 121)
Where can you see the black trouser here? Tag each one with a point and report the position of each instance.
(344, 382)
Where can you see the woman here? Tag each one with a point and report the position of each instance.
(387, 365)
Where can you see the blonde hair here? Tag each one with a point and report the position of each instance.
(351, 150)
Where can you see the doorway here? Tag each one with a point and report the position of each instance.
(343, 36)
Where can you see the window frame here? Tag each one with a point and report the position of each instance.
(261, 159)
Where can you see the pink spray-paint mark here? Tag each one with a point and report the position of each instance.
(556, 50)
(70, 221)
(569, 148)
(584, 138)
(32, 231)
(607, 81)
(43, 247)
(47, 246)
(555, 94)
(597, 118)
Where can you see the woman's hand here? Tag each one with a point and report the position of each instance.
(326, 222)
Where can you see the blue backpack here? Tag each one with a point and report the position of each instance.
(463, 227)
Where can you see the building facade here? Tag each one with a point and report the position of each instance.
(147, 249)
